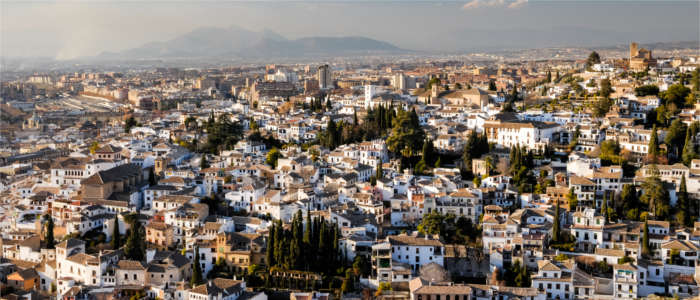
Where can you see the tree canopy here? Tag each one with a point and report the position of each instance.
(406, 136)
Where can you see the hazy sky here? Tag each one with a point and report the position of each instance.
(68, 29)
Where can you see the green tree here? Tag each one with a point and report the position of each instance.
(116, 236)
(689, 144)
(270, 247)
(492, 85)
(477, 181)
(655, 196)
(625, 259)
(272, 157)
(431, 82)
(361, 266)
(646, 90)
(135, 244)
(556, 227)
(347, 286)
(203, 163)
(604, 208)
(94, 147)
(254, 125)
(593, 58)
(654, 145)
(407, 135)
(675, 94)
(549, 76)
(331, 136)
(129, 123)
(428, 152)
(675, 137)
(605, 88)
(683, 203)
(695, 80)
(646, 249)
(383, 286)
(48, 234)
(522, 277)
(630, 202)
(197, 277)
(152, 180)
(662, 115)
(421, 168)
(573, 199)
(432, 223)
(602, 107)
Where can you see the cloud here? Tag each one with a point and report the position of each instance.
(517, 3)
(474, 4)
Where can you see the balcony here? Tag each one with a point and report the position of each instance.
(678, 261)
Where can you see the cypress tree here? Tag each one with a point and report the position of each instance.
(152, 177)
(323, 243)
(555, 226)
(196, 269)
(335, 243)
(613, 207)
(572, 198)
(269, 254)
(308, 248)
(390, 116)
(684, 204)
(48, 235)
(135, 246)
(116, 236)
(646, 250)
(279, 244)
(604, 208)
(298, 239)
(653, 145)
(688, 148)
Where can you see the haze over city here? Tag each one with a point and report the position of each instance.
(74, 29)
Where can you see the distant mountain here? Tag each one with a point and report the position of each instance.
(236, 42)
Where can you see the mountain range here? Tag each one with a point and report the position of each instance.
(236, 42)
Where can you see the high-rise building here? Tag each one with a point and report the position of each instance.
(400, 81)
(325, 80)
(369, 93)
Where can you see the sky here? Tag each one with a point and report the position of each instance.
(66, 29)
